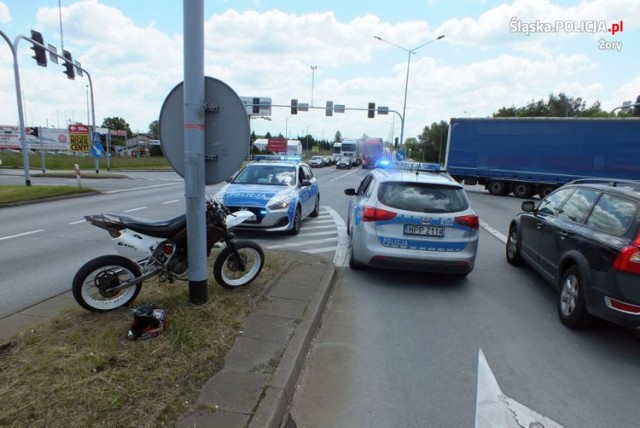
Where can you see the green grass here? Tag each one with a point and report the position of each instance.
(64, 166)
(86, 163)
(79, 368)
(13, 194)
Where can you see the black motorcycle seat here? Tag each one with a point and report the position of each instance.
(157, 228)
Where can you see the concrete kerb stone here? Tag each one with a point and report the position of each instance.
(261, 370)
(272, 408)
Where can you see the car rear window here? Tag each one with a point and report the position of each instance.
(612, 214)
(422, 197)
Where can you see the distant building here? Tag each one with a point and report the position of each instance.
(140, 145)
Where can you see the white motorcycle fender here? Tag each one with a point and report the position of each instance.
(238, 217)
(134, 245)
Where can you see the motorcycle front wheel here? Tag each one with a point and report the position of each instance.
(227, 270)
(94, 282)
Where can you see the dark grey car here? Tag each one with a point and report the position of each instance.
(584, 238)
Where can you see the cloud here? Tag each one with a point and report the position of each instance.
(477, 68)
(5, 16)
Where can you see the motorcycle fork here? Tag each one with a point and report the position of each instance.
(230, 243)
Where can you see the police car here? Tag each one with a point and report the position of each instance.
(279, 191)
(412, 216)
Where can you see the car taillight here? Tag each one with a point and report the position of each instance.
(471, 220)
(376, 214)
(628, 259)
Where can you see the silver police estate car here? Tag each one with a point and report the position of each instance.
(279, 191)
(412, 216)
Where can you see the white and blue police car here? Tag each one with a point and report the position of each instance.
(279, 191)
(412, 216)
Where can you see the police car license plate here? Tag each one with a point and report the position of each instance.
(416, 229)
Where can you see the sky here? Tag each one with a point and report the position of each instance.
(493, 54)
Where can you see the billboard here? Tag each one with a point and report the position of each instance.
(277, 145)
(37, 138)
(79, 135)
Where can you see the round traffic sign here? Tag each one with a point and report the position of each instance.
(227, 130)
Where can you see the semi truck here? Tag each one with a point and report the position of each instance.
(352, 148)
(336, 151)
(372, 151)
(528, 156)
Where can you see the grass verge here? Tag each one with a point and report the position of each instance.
(12, 194)
(79, 368)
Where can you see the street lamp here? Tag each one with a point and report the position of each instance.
(313, 76)
(406, 85)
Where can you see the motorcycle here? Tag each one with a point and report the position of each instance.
(149, 249)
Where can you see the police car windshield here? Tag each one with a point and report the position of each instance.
(278, 175)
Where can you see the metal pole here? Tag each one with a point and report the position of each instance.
(23, 133)
(313, 76)
(194, 137)
(41, 149)
(406, 85)
(404, 105)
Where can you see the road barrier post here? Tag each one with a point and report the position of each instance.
(78, 175)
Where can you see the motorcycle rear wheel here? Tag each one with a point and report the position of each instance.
(226, 270)
(92, 282)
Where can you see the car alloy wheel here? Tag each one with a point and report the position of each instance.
(297, 222)
(571, 302)
(513, 248)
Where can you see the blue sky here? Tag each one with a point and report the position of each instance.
(134, 48)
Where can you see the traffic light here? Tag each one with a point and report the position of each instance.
(329, 108)
(371, 113)
(256, 105)
(636, 108)
(40, 52)
(395, 143)
(294, 106)
(68, 65)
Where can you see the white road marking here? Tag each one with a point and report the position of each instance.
(21, 234)
(78, 222)
(340, 258)
(320, 250)
(136, 209)
(298, 244)
(494, 409)
(493, 232)
(133, 189)
(173, 201)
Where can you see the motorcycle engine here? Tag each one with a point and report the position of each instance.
(178, 263)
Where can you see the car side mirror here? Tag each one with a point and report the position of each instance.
(305, 183)
(350, 192)
(529, 206)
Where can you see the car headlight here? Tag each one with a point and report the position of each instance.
(281, 204)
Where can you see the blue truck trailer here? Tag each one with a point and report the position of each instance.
(528, 156)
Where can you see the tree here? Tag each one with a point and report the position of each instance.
(154, 129)
(432, 142)
(119, 124)
(559, 105)
(338, 137)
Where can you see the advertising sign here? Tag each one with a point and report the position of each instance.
(277, 145)
(37, 138)
(79, 135)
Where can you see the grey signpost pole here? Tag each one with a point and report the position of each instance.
(194, 137)
(23, 134)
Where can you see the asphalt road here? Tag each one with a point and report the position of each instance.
(394, 349)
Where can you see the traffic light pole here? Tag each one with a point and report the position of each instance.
(16, 72)
(345, 108)
(23, 133)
